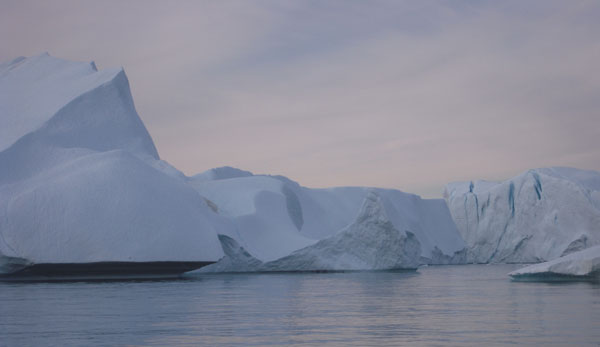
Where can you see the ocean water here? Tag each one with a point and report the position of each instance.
(470, 305)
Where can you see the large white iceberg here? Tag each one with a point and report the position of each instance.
(584, 263)
(537, 216)
(370, 243)
(275, 216)
(81, 181)
(80, 178)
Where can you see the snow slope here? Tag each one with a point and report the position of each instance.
(260, 212)
(275, 216)
(537, 216)
(80, 178)
(581, 263)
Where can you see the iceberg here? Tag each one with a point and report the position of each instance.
(581, 264)
(537, 216)
(81, 181)
(275, 216)
(371, 242)
(80, 178)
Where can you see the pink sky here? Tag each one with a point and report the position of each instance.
(407, 95)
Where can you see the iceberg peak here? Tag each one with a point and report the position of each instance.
(55, 102)
(370, 243)
(372, 210)
(80, 178)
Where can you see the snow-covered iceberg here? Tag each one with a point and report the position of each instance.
(80, 178)
(370, 243)
(275, 216)
(537, 216)
(584, 263)
(81, 181)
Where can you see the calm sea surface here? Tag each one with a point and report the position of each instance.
(440, 305)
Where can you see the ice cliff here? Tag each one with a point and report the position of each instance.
(537, 216)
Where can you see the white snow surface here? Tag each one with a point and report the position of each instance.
(581, 263)
(537, 216)
(80, 178)
(220, 173)
(275, 216)
(260, 213)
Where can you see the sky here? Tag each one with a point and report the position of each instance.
(399, 94)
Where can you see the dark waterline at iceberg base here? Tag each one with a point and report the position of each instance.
(437, 305)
